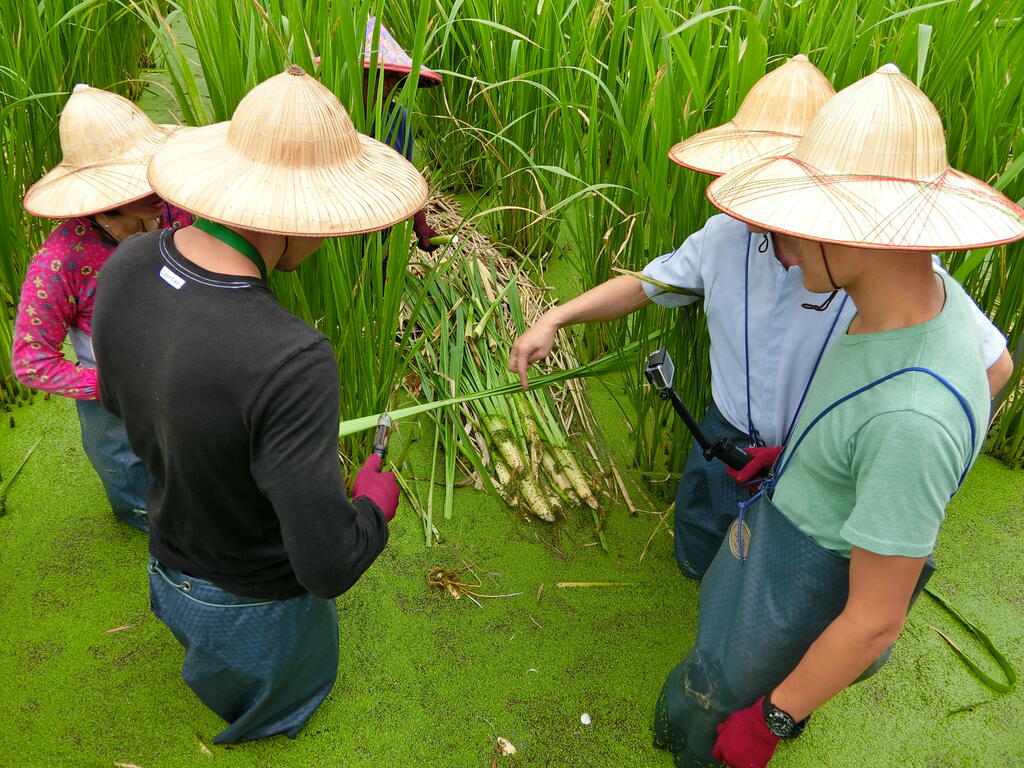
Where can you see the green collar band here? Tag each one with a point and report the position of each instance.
(235, 240)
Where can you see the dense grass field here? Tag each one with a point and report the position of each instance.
(556, 116)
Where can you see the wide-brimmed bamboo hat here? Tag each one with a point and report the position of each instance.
(289, 162)
(107, 143)
(770, 121)
(391, 57)
(872, 172)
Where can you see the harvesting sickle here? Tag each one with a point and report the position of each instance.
(381, 436)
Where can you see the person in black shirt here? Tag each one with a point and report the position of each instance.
(232, 402)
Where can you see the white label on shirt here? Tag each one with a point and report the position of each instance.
(175, 281)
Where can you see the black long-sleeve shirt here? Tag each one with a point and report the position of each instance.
(232, 403)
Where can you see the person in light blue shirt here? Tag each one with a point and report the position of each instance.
(767, 331)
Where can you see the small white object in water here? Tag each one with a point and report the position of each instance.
(585, 718)
(505, 747)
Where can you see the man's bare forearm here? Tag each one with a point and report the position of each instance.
(880, 590)
(610, 300)
(838, 657)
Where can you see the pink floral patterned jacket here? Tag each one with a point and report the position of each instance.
(56, 302)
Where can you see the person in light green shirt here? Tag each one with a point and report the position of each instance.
(890, 458)
(813, 582)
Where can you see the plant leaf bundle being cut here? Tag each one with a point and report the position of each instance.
(479, 302)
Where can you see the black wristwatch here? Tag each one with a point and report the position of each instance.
(782, 723)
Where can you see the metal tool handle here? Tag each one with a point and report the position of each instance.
(382, 435)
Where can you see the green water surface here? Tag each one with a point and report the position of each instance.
(429, 681)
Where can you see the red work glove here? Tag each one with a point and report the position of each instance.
(744, 740)
(379, 487)
(424, 232)
(757, 467)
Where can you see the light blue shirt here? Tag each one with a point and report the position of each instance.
(785, 339)
(81, 342)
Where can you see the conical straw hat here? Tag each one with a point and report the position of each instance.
(871, 171)
(769, 122)
(289, 162)
(391, 57)
(107, 143)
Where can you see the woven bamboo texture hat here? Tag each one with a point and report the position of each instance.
(872, 172)
(770, 121)
(391, 57)
(289, 162)
(106, 142)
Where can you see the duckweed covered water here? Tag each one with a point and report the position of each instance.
(429, 681)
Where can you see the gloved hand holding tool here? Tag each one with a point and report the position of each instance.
(379, 487)
(425, 234)
(759, 466)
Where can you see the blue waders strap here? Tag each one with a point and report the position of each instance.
(788, 455)
(755, 438)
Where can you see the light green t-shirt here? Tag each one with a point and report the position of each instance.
(877, 471)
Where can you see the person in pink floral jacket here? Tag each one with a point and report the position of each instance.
(101, 191)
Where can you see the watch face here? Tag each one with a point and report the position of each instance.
(779, 723)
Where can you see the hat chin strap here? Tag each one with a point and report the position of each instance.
(824, 305)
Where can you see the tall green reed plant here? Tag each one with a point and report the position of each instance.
(563, 112)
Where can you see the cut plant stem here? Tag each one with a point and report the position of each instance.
(598, 584)
(6, 484)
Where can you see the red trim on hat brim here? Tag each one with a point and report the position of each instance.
(852, 244)
(428, 77)
(691, 167)
(859, 244)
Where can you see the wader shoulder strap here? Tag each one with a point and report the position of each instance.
(788, 454)
(755, 438)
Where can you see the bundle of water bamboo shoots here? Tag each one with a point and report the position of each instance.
(536, 449)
